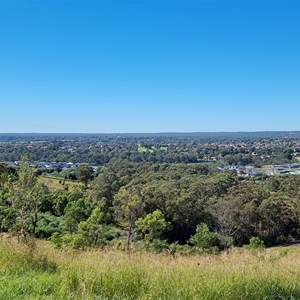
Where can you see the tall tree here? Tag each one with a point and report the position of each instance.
(130, 204)
(85, 173)
(153, 225)
(26, 194)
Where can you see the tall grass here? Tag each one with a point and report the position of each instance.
(108, 274)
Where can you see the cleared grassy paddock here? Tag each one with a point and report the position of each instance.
(153, 149)
(55, 182)
(112, 274)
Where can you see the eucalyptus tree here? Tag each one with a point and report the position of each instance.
(26, 197)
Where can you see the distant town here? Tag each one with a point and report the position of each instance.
(246, 154)
(269, 170)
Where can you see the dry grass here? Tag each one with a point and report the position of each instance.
(112, 274)
(55, 183)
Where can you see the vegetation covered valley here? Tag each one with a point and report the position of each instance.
(188, 208)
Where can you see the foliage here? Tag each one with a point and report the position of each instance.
(151, 204)
(85, 173)
(130, 206)
(26, 194)
(255, 243)
(95, 231)
(156, 245)
(48, 224)
(153, 225)
(204, 239)
(71, 240)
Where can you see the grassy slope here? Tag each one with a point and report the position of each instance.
(53, 183)
(53, 274)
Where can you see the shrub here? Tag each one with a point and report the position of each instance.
(255, 243)
(156, 245)
(175, 248)
(74, 240)
(204, 239)
(153, 226)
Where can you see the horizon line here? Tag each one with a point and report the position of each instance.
(161, 132)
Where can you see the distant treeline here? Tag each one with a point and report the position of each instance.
(101, 150)
(202, 135)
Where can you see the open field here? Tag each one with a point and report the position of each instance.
(112, 274)
(56, 183)
(152, 149)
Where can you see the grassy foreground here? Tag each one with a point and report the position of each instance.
(53, 274)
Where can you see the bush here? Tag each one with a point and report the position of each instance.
(255, 243)
(155, 245)
(48, 225)
(74, 240)
(153, 226)
(204, 240)
(175, 248)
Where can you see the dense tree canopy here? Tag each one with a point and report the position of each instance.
(165, 205)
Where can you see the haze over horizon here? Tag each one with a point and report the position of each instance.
(149, 66)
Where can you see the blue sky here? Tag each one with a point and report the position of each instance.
(149, 66)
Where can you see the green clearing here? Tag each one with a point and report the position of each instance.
(112, 274)
(142, 149)
(57, 183)
(164, 148)
(152, 149)
(265, 168)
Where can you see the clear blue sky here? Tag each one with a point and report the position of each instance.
(149, 66)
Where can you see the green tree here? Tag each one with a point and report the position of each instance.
(103, 190)
(26, 195)
(204, 238)
(8, 214)
(6, 172)
(128, 202)
(278, 216)
(153, 225)
(75, 212)
(95, 231)
(85, 173)
(236, 213)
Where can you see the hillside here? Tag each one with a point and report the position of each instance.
(47, 273)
